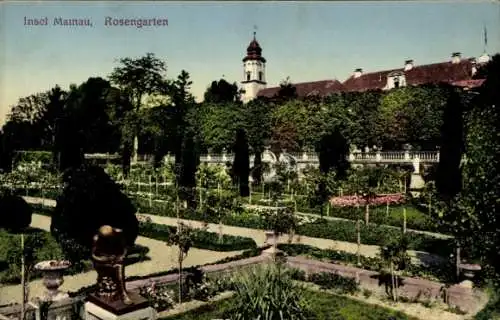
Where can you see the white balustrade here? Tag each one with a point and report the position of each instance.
(312, 158)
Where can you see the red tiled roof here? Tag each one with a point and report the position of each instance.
(469, 83)
(316, 88)
(459, 74)
(429, 73)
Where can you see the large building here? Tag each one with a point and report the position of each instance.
(456, 70)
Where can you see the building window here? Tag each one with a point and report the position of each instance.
(260, 75)
(248, 76)
(396, 82)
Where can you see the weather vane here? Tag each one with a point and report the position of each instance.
(254, 30)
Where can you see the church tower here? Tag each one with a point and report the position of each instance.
(254, 71)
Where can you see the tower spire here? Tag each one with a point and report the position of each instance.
(254, 31)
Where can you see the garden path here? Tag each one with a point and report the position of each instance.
(163, 258)
(260, 238)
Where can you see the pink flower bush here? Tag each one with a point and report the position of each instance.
(379, 199)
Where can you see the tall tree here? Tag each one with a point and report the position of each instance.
(138, 78)
(411, 115)
(90, 105)
(219, 123)
(62, 118)
(189, 163)
(448, 175)
(474, 215)
(183, 102)
(241, 164)
(222, 92)
(363, 108)
(333, 151)
(257, 120)
(287, 91)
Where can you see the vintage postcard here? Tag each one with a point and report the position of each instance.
(249, 160)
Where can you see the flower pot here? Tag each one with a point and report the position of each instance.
(53, 278)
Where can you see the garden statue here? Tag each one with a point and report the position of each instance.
(108, 254)
(109, 250)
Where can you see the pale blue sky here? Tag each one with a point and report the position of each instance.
(306, 41)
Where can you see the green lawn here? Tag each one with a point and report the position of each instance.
(326, 306)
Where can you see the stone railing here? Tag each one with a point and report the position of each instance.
(308, 157)
(368, 157)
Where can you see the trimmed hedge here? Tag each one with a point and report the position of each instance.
(374, 235)
(202, 239)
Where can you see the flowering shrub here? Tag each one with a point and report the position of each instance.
(380, 199)
(30, 176)
(144, 219)
(159, 297)
(301, 219)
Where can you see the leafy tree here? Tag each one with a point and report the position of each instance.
(183, 102)
(448, 175)
(189, 162)
(287, 91)
(241, 164)
(219, 124)
(90, 199)
(156, 132)
(333, 151)
(289, 126)
(89, 105)
(6, 152)
(363, 108)
(473, 215)
(257, 122)
(183, 240)
(410, 115)
(29, 109)
(137, 78)
(222, 92)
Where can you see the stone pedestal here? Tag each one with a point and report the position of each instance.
(97, 309)
(62, 309)
(273, 253)
(416, 182)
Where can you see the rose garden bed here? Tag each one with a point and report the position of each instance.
(321, 228)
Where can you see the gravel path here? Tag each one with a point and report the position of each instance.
(163, 258)
(259, 237)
